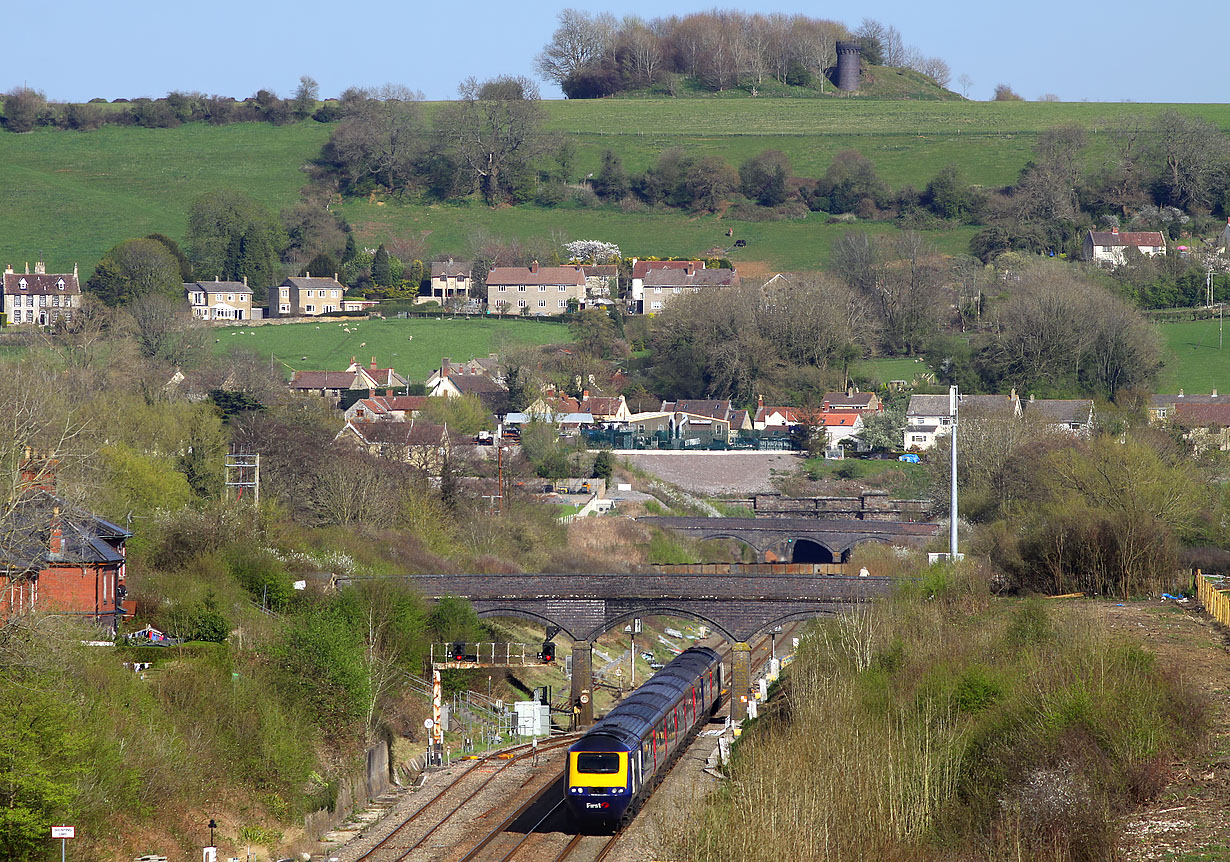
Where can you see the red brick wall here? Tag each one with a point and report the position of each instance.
(76, 589)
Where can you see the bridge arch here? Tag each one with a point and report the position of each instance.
(845, 552)
(486, 612)
(661, 610)
(812, 551)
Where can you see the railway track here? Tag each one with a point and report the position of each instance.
(407, 838)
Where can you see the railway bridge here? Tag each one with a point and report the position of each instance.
(800, 540)
(585, 606)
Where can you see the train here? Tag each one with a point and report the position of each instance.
(612, 768)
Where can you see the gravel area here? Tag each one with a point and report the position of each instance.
(715, 473)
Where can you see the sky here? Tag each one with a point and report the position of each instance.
(132, 48)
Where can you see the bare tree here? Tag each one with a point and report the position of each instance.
(580, 40)
(1194, 155)
(492, 132)
(165, 329)
(966, 83)
(382, 134)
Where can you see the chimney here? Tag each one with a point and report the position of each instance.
(245, 281)
(27, 267)
(8, 269)
(56, 542)
(585, 394)
(1031, 398)
(849, 391)
(1012, 394)
(534, 266)
(1114, 231)
(40, 268)
(759, 402)
(38, 473)
(74, 270)
(1214, 391)
(373, 365)
(335, 276)
(307, 274)
(1180, 393)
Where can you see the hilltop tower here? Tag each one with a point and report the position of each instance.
(849, 65)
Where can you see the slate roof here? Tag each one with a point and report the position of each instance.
(1068, 411)
(475, 384)
(712, 409)
(217, 286)
(86, 539)
(858, 400)
(313, 283)
(516, 275)
(451, 268)
(937, 405)
(696, 278)
(45, 284)
(1110, 239)
(642, 267)
(380, 405)
(386, 432)
(600, 405)
(1163, 400)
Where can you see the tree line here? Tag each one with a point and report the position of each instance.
(591, 55)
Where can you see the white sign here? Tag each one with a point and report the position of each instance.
(63, 831)
(210, 855)
(636, 626)
(428, 723)
(300, 585)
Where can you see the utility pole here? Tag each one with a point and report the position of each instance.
(243, 473)
(952, 530)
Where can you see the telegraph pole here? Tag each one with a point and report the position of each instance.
(952, 530)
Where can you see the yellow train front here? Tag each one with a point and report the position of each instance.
(612, 767)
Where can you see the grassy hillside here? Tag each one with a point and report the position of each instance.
(71, 195)
(879, 82)
(1194, 362)
(412, 347)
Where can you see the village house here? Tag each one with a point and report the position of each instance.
(928, 417)
(359, 304)
(56, 557)
(392, 408)
(423, 445)
(602, 408)
(1204, 426)
(1162, 406)
(601, 283)
(220, 300)
(863, 402)
(331, 384)
(482, 378)
(39, 297)
(704, 420)
(1110, 246)
(488, 366)
(305, 296)
(652, 292)
(451, 283)
(535, 291)
(1072, 416)
(843, 426)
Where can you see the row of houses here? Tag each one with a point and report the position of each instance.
(929, 417)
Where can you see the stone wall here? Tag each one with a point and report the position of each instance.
(868, 506)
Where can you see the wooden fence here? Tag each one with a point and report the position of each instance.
(1211, 593)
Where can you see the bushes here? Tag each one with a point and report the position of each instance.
(1014, 731)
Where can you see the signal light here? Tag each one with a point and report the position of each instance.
(459, 651)
(548, 651)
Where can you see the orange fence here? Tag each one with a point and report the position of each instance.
(1209, 592)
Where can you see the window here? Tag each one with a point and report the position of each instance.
(230, 297)
(562, 288)
(655, 305)
(309, 308)
(521, 303)
(22, 283)
(60, 284)
(542, 288)
(521, 287)
(329, 308)
(598, 762)
(286, 293)
(284, 309)
(542, 303)
(563, 303)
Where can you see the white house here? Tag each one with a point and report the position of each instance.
(1109, 246)
(928, 416)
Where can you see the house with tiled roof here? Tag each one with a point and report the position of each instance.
(421, 444)
(715, 419)
(381, 378)
(864, 402)
(39, 298)
(452, 282)
(1069, 415)
(305, 296)
(535, 291)
(331, 384)
(1204, 426)
(393, 408)
(56, 557)
(1109, 246)
(220, 300)
(1162, 406)
(929, 416)
(654, 292)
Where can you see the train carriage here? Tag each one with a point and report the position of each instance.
(612, 767)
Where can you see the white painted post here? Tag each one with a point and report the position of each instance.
(952, 530)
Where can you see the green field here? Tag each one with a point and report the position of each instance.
(1195, 363)
(72, 195)
(412, 347)
(884, 370)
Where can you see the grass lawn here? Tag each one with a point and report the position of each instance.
(906, 480)
(412, 347)
(1194, 363)
(884, 370)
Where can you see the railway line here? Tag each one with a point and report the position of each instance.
(532, 825)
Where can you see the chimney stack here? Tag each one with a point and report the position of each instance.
(8, 269)
(1214, 391)
(74, 270)
(56, 543)
(1114, 231)
(245, 281)
(373, 365)
(534, 266)
(40, 268)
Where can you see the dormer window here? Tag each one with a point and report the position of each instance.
(22, 283)
(60, 284)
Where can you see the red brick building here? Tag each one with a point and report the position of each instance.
(56, 557)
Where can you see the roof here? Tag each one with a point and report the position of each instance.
(40, 283)
(379, 405)
(386, 432)
(85, 537)
(304, 283)
(1108, 238)
(1060, 410)
(475, 384)
(695, 278)
(841, 419)
(218, 286)
(937, 405)
(602, 405)
(600, 270)
(451, 268)
(789, 414)
(641, 267)
(543, 275)
(861, 400)
(711, 409)
(1202, 414)
(323, 379)
(1176, 400)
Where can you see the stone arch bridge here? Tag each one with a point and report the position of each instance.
(800, 540)
(585, 606)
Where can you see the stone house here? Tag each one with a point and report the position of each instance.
(1109, 246)
(39, 298)
(305, 296)
(452, 282)
(662, 284)
(1072, 416)
(220, 300)
(534, 291)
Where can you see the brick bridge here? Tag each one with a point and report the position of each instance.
(737, 606)
(800, 540)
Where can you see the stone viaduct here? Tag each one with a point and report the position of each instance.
(584, 606)
(800, 540)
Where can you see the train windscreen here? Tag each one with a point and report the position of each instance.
(598, 763)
